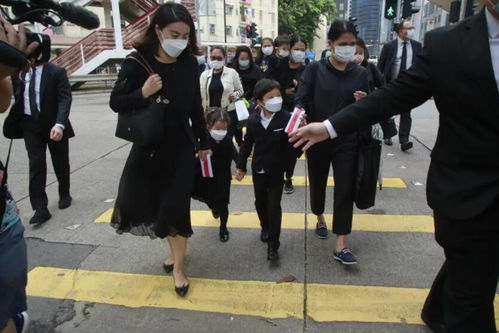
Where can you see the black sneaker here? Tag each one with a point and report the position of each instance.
(388, 142)
(224, 235)
(321, 230)
(40, 216)
(288, 187)
(65, 202)
(21, 320)
(345, 256)
(272, 254)
(406, 146)
(264, 236)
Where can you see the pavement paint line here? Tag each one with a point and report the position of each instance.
(251, 298)
(300, 181)
(361, 222)
(325, 302)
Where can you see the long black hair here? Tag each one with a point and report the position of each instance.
(260, 52)
(166, 14)
(339, 28)
(360, 42)
(297, 39)
(239, 50)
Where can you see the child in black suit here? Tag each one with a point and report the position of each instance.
(215, 192)
(265, 133)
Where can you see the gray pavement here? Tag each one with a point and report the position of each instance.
(72, 240)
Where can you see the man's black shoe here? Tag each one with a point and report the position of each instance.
(65, 202)
(272, 254)
(41, 216)
(406, 146)
(264, 236)
(388, 142)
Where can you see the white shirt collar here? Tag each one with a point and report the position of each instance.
(266, 121)
(401, 41)
(492, 24)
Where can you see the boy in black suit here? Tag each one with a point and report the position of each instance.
(266, 133)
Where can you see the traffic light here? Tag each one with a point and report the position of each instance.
(249, 31)
(390, 9)
(407, 9)
(255, 36)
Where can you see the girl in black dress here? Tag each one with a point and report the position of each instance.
(157, 181)
(215, 192)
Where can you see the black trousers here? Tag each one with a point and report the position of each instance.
(36, 145)
(405, 127)
(268, 194)
(342, 156)
(461, 298)
(290, 166)
(234, 129)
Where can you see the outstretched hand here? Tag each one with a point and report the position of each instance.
(309, 135)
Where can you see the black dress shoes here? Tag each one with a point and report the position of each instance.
(406, 146)
(182, 291)
(388, 142)
(41, 216)
(264, 236)
(65, 202)
(272, 254)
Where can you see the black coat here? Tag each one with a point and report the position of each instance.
(272, 151)
(127, 95)
(55, 101)
(456, 69)
(389, 54)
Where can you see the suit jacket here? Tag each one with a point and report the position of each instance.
(271, 147)
(389, 54)
(55, 101)
(456, 69)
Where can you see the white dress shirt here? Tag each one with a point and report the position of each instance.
(398, 58)
(493, 28)
(38, 80)
(266, 121)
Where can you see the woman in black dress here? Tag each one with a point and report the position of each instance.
(157, 181)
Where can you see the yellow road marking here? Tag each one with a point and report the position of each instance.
(361, 222)
(325, 302)
(300, 181)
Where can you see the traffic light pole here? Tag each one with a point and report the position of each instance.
(225, 25)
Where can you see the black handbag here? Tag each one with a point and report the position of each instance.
(143, 126)
(369, 159)
(12, 125)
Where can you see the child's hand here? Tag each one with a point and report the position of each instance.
(203, 154)
(240, 174)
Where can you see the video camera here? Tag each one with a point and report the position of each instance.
(47, 13)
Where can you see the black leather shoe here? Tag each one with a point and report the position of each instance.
(182, 291)
(388, 142)
(406, 146)
(41, 216)
(264, 236)
(65, 202)
(272, 254)
(224, 235)
(168, 268)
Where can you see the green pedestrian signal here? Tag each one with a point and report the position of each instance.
(391, 9)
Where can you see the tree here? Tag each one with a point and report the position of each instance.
(299, 17)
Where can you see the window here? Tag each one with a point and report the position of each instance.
(228, 30)
(212, 29)
(342, 6)
(253, 12)
(229, 9)
(261, 15)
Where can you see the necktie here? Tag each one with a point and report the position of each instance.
(403, 63)
(32, 95)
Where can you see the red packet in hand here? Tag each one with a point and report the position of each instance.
(295, 120)
(206, 168)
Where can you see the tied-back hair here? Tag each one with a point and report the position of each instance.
(339, 28)
(265, 86)
(166, 14)
(297, 39)
(214, 114)
(239, 50)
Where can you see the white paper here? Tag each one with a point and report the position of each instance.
(242, 110)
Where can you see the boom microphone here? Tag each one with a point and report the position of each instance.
(79, 16)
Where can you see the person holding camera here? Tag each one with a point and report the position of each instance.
(40, 115)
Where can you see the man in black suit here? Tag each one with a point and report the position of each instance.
(459, 67)
(396, 57)
(41, 109)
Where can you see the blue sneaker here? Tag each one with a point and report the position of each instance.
(345, 256)
(21, 320)
(321, 230)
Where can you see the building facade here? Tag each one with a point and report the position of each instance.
(343, 9)
(368, 14)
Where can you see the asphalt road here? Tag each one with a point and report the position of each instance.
(86, 278)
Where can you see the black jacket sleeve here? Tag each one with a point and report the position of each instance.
(197, 118)
(378, 77)
(411, 89)
(303, 95)
(127, 92)
(64, 97)
(246, 148)
(383, 58)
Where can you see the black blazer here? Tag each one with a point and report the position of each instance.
(127, 94)
(389, 54)
(55, 100)
(271, 147)
(456, 69)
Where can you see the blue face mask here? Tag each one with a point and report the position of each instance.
(201, 60)
(244, 63)
(496, 8)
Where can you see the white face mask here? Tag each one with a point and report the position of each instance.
(283, 53)
(268, 50)
(218, 135)
(216, 64)
(344, 53)
(274, 104)
(174, 47)
(410, 34)
(298, 56)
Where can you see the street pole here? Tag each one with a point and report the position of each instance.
(198, 19)
(225, 25)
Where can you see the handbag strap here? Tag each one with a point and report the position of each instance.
(4, 179)
(143, 63)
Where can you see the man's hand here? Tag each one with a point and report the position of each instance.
(56, 134)
(309, 135)
(358, 95)
(203, 154)
(240, 174)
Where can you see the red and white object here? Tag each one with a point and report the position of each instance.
(295, 120)
(206, 168)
